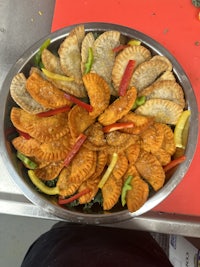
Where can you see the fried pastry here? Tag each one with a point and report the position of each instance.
(66, 187)
(83, 165)
(55, 150)
(104, 56)
(147, 72)
(45, 93)
(138, 53)
(164, 111)
(49, 172)
(21, 119)
(119, 108)
(46, 129)
(152, 138)
(70, 57)
(141, 123)
(120, 167)
(150, 169)
(79, 120)
(98, 93)
(22, 97)
(132, 153)
(51, 62)
(26, 146)
(137, 196)
(87, 43)
(169, 90)
(111, 192)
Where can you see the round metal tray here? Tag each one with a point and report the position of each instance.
(19, 174)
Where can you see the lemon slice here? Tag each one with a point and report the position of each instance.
(181, 129)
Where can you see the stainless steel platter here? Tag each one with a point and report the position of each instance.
(19, 175)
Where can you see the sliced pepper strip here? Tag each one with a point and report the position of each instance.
(63, 201)
(117, 126)
(41, 186)
(39, 53)
(89, 62)
(26, 161)
(109, 170)
(80, 103)
(56, 76)
(79, 141)
(174, 163)
(126, 187)
(53, 111)
(119, 48)
(23, 134)
(126, 77)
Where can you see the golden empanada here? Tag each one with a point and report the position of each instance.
(45, 93)
(83, 165)
(141, 123)
(22, 97)
(98, 93)
(111, 192)
(119, 108)
(49, 172)
(79, 120)
(137, 196)
(150, 169)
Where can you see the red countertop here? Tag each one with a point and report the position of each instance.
(175, 25)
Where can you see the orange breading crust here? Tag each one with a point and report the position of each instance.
(137, 196)
(111, 192)
(49, 128)
(21, 119)
(98, 93)
(55, 150)
(26, 146)
(150, 169)
(50, 171)
(120, 107)
(45, 93)
(79, 120)
(66, 187)
(141, 123)
(83, 165)
(132, 153)
(120, 167)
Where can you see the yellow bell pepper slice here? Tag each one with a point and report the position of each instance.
(181, 129)
(109, 170)
(56, 76)
(134, 42)
(41, 186)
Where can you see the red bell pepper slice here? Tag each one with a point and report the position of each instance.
(53, 111)
(62, 201)
(119, 48)
(23, 134)
(126, 77)
(75, 148)
(77, 101)
(117, 126)
(174, 163)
